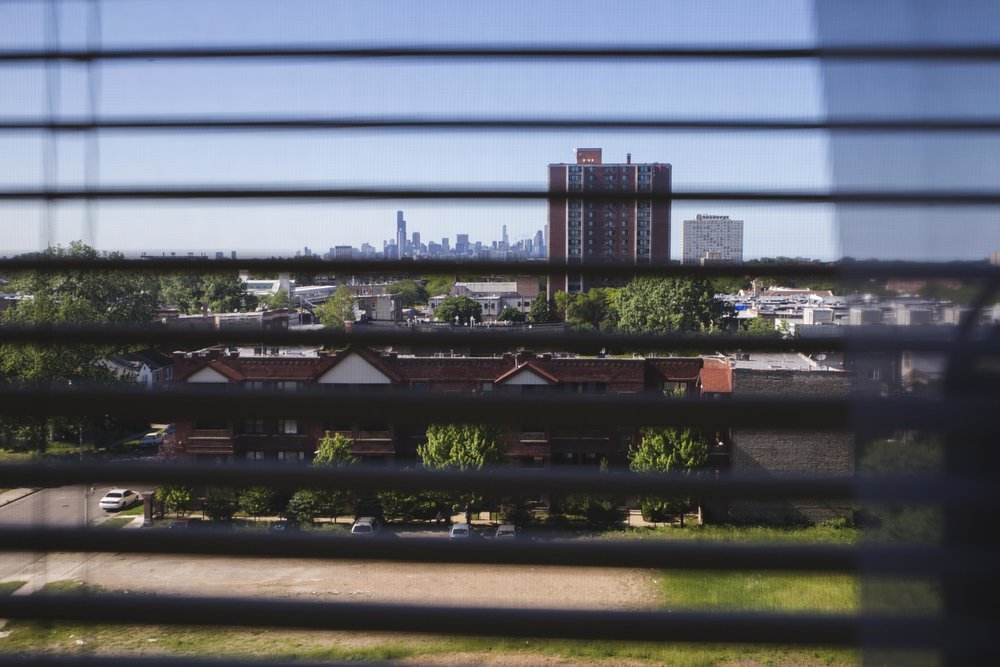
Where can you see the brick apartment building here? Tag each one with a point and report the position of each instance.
(613, 231)
(529, 445)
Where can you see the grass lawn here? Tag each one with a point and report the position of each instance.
(8, 587)
(687, 590)
(135, 510)
(116, 522)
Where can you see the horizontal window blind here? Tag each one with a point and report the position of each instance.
(958, 563)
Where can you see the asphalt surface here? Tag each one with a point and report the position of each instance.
(405, 583)
(59, 506)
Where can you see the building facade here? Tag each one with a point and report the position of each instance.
(619, 230)
(711, 238)
(400, 235)
(381, 440)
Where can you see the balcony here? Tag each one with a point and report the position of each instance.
(374, 435)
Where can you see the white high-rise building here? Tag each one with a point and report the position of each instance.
(713, 238)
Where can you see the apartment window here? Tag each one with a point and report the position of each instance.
(290, 427)
(291, 457)
(210, 423)
(253, 426)
(289, 386)
(255, 455)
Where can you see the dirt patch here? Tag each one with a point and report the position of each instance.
(393, 583)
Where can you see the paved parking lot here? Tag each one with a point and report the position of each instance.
(404, 583)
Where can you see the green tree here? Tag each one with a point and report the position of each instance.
(665, 450)
(85, 297)
(461, 307)
(593, 309)
(438, 285)
(176, 499)
(219, 503)
(666, 305)
(541, 310)
(336, 310)
(761, 326)
(410, 292)
(274, 301)
(257, 500)
(303, 506)
(335, 451)
(73, 297)
(215, 292)
(510, 314)
(462, 446)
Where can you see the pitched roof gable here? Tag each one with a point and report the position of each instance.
(527, 367)
(213, 372)
(358, 366)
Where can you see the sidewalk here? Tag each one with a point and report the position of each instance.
(13, 495)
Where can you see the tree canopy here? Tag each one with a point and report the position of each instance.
(335, 451)
(215, 292)
(410, 292)
(761, 326)
(666, 305)
(73, 297)
(594, 309)
(666, 449)
(461, 307)
(541, 310)
(510, 314)
(336, 310)
(461, 446)
(438, 285)
(274, 301)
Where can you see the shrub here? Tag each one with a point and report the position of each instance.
(220, 503)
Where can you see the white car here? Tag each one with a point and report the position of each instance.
(366, 526)
(152, 439)
(119, 499)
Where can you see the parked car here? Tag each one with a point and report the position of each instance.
(119, 499)
(366, 526)
(152, 439)
(506, 531)
(283, 527)
(460, 531)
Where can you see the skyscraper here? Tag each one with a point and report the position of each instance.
(709, 235)
(622, 231)
(400, 235)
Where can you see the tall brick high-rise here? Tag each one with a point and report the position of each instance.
(618, 231)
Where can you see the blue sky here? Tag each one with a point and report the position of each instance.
(403, 88)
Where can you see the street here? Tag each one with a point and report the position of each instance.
(388, 582)
(59, 506)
